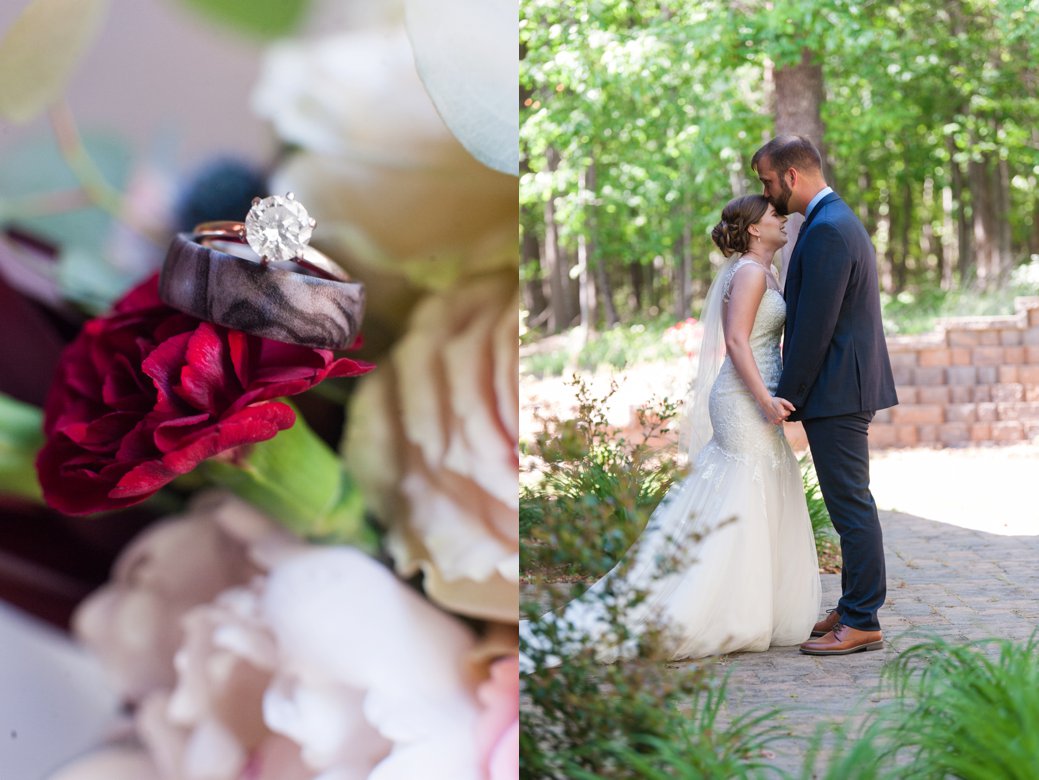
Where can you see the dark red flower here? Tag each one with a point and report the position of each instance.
(147, 393)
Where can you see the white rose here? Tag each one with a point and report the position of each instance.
(321, 665)
(133, 622)
(377, 167)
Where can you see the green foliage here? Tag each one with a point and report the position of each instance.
(696, 745)
(259, 18)
(634, 719)
(641, 117)
(822, 528)
(40, 51)
(968, 711)
(21, 436)
(34, 170)
(596, 488)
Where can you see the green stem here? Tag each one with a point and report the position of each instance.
(299, 481)
(97, 189)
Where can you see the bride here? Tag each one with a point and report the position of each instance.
(727, 562)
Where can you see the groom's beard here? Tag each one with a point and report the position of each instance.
(781, 203)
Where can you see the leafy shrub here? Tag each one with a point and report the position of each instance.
(826, 544)
(596, 487)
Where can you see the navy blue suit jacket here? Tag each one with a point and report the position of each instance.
(835, 358)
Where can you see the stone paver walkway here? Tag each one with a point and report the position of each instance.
(951, 582)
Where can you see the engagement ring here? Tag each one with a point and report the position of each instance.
(291, 292)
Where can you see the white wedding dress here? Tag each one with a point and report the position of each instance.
(727, 562)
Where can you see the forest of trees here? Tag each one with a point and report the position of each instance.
(639, 118)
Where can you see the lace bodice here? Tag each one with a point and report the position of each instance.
(739, 426)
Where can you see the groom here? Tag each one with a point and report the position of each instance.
(837, 374)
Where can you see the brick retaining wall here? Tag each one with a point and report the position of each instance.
(974, 380)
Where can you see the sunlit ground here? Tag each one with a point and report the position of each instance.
(990, 489)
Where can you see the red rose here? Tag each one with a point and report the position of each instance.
(147, 393)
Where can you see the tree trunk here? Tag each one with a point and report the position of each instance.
(605, 291)
(635, 276)
(983, 192)
(949, 241)
(865, 216)
(1005, 251)
(796, 97)
(555, 267)
(586, 280)
(929, 247)
(882, 241)
(904, 221)
(534, 290)
(797, 100)
(1033, 236)
(602, 288)
(964, 237)
(684, 283)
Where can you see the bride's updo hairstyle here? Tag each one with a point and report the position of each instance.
(731, 234)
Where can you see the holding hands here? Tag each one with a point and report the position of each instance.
(776, 409)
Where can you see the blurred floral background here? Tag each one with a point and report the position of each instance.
(341, 600)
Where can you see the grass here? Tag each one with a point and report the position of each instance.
(698, 745)
(619, 348)
(968, 711)
(917, 311)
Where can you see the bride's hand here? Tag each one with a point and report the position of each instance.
(777, 409)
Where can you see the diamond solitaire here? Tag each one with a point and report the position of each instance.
(278, 228)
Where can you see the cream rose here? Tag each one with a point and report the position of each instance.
(433, 441)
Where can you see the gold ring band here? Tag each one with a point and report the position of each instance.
(206, 233)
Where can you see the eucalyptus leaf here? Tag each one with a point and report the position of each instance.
(35, 169)
(21, 436)
(258, 18)
(467, 54)
(86, 279)
(41, 50)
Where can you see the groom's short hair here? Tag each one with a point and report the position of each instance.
(788, 151)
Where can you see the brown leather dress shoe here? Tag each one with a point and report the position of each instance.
(825, 626)
(843, 640)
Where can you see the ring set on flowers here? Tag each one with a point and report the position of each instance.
(191, 366)
(295, 294)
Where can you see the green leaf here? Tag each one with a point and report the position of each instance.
(258, 18)
(21, 436)
(40, 51)
(299, 481)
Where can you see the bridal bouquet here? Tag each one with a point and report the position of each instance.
(324, 587)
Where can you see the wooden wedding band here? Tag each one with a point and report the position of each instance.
(262, 299)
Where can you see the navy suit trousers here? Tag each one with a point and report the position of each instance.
(840, 452)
